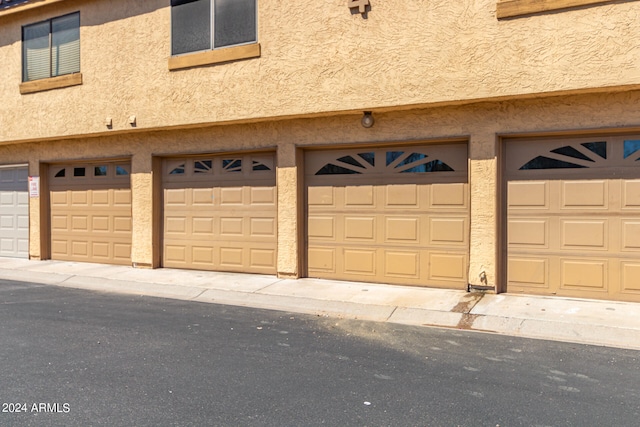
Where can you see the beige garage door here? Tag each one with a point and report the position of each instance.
(220, 213)
(392, 215)
(91, 212)
(573, 208)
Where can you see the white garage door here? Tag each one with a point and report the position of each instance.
(14, 212)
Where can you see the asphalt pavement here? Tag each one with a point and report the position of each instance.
(73, 357)
(605, 323)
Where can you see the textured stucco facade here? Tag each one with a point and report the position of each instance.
(429, 71)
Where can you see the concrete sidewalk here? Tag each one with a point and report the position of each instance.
(607, 323)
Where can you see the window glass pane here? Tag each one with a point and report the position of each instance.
(630, 147)
(369, 157)
(234, 22)
(350, 160)
(331, 169)
(36, 58)
(190, 26)
(259, 166)
(392, 156)
(600, 148)
(121, 171)
(65, 45)
(570, 151)
(79, 171)
(232, 165)
(203, 166)
(542, 162)
(61, 173)
(100, 171)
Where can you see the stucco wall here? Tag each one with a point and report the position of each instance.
(481, 124)
(317, 59)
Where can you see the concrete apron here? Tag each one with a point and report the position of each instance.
(606, 323)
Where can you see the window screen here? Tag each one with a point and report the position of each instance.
(198, 25)
(51, 48)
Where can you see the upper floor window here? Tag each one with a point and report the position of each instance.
(51, 48)
(198, 25)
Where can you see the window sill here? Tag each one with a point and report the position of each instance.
(214, 56)
(51, 83)
(512, 8)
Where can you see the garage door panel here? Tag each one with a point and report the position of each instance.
(631, 194)
(80, 198)
(528, 195)
(528, 232)
(175, 197)
(449, 196)
(585, 194)
(399, 203)
(80, 249)
(262, 196)
(231, 257)
(100, 251)
(630, 235)
(584, 274)
(590, 247)
(529, 271)
(230, 227)
(402, 264)
(402, 230)
(175, 254)
(405, 196)
(262, 258)
(360, 196)
(630, 275)
(175, 225)
(584, 234)
(202, 197)
(359, 261)
(100, 223)
(359, 228)
(321, 260)
(100, 198)
(220, 214)
(263, 227)
(447, 266)
(200, 226)
(448, 231)
(231, 196)
(202, 255)
(321, 196)
(322, 227)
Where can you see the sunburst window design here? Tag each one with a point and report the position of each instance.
(573, 156)
(203, 166)
(396, 161)
(232, 165)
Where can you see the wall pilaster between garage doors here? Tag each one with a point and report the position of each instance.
(483, 184)
(290, 210)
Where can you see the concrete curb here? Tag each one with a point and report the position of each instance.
(606, 323)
